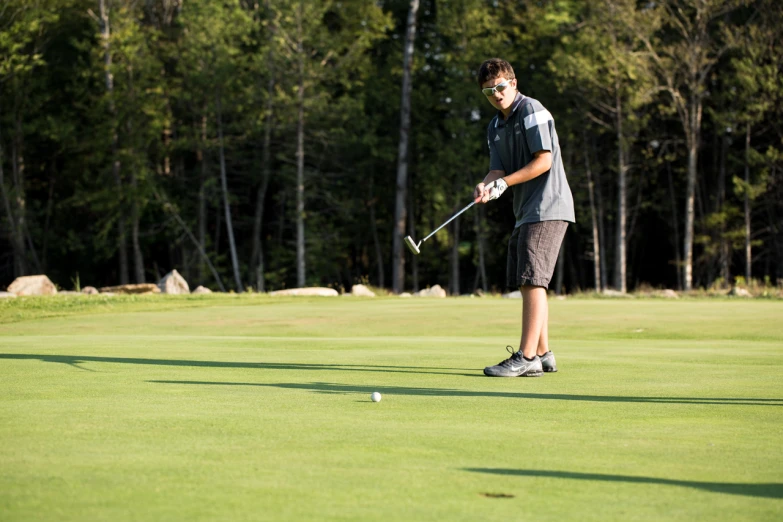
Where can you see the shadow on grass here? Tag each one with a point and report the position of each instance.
(325, 387)
(771, 490)
(77, 360)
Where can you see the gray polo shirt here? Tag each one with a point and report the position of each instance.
(530, 128)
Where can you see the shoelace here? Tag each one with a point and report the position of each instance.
(510, 350)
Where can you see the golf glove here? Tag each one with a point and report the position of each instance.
(496, 188)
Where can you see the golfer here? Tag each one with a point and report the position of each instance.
(524, 154)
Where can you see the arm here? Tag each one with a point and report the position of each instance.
(542, 162)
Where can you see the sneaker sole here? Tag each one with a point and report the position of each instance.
(529, 374)
(550, 370)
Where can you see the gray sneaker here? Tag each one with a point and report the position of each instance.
(548, 362)
(515, 366)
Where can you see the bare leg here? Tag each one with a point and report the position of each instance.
(534, 318)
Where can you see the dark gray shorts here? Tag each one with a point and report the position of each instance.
(532, 253)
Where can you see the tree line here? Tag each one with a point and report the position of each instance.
(264, 144)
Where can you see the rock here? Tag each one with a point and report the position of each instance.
(144, 288)
(668, 293)
(6, 294)
(516, 294)
(174, 283)
(312, 291)
(68, 292)
(615, 293)
(362, 291)
(201, 290)
(406, 294)
(736, 291)
(435, 291)
(89, 290)
(32, 285)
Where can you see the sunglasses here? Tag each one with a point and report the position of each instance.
(489, 91)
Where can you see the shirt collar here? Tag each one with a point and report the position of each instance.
(501, 121)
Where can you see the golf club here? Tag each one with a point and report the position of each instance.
(414, 247)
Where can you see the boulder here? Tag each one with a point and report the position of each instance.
(313, 291)
(362, 291)
(615, 293)
(406, 294)
(435, 291)
(89, 290)
(736, 291)
(201, 290)
(144, 288)
(3, 295)
(516, 294)
(668, 293)
(174, 283)
(32, 285)
(68, 292)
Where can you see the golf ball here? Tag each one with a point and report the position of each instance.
(376, 397)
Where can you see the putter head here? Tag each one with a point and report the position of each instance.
(412, 246)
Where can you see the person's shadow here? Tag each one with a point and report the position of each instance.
(769, 490)
(77, 361)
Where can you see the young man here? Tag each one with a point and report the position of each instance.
(524, 154)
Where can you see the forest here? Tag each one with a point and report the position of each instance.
(256, 145)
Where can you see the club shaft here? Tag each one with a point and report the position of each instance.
(452, 218)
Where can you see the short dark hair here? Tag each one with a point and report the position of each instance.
(495, 68)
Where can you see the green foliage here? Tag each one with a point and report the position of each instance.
(175, 67)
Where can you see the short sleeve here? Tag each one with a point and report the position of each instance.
(537, 130)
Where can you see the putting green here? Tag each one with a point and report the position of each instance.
(257, 408)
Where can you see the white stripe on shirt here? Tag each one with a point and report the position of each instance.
(537, 118)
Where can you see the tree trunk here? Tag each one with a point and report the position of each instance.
(374, 231)
(454, 286)
(398, 266)
(257, 256)
(748, 259)
(675, 228)
(594, 219)
(17, 240)
(482, 268)
(692, 139)
(599, 199)
(168, 207)
(138, 259)
(300, 123)
(415, 261)
(109, 80)
(620, 257)
(47, 218)
(560, 268)
(202, 196)
(226, 207)
(725, 256)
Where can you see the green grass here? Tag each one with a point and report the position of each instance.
(256, 408)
